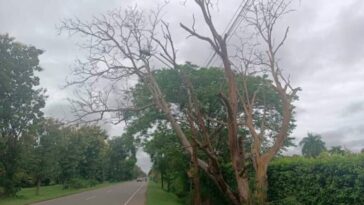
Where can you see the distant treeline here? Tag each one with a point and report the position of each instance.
(75, 156)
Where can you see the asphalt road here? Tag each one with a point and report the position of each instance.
(128, 193)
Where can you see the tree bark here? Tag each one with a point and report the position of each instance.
(162, 180)
(261, 183)
(195, 177)
(38, 186)
(235, 149)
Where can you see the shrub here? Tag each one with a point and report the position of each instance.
(76, 183)
(334, 180)
(93, 182)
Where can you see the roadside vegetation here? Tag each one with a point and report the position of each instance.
(326, 176)
(36, 151)
(28, 195)
(157, 196)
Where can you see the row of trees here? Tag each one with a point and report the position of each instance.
(35, 150)
(69, 154)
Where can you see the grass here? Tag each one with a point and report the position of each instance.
(157, 196)
(27, 195)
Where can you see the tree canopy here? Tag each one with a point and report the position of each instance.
(20, 104)
(312, 145)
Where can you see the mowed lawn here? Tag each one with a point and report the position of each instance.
(27, 195)
(157, 196)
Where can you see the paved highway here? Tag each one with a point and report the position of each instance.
(128, 193)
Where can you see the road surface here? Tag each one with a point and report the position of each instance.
(128, 193)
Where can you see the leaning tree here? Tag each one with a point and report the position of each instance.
(124, 45)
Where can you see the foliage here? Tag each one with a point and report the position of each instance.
(74, 156)
(334, 180)
(82, 152)
(78, 183)
(338, 150)
(20, 105)
(121, 159)
(157, 196)
(207, 84)
(166, 152)
(312, 145)
(169, 161)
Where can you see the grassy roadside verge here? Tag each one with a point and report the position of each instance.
(157, 196)
(27, 195)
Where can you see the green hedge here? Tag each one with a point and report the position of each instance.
(327, 180)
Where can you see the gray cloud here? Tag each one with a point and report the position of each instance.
(350, 137)
(143, 161)
(353, 109)
(323, 54)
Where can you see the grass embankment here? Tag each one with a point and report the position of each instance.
(157, 196)
(27, 195)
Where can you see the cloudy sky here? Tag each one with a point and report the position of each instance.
(324, 54)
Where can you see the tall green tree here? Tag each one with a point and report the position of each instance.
(168, 160)
(20, 104)
(43, 154)
(312, 145)
(122, 158)
(82, 153)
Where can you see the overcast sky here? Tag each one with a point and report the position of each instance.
(324, 54)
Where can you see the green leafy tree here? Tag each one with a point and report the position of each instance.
(82, 153)
(168, 160)
(93, 143)
(312, 145)
(42, 159)
(20, 104)
(121, 158)
(70, 155)
(337, 150)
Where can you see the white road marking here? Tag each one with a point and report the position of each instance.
(91, 197)
(133, 195)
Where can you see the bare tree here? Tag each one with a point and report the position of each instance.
(263, 17)
(123, 44)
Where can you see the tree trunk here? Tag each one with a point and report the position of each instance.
(38, 186)
(261, 184)
(162, 179)
(195, 177)
(216, 177)
(168, 184)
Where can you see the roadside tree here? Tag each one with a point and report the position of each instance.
(21, 101)
(124, 44)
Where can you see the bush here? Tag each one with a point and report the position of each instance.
(93, 182)
(334, 180)
(76, 183)
(286, 201)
